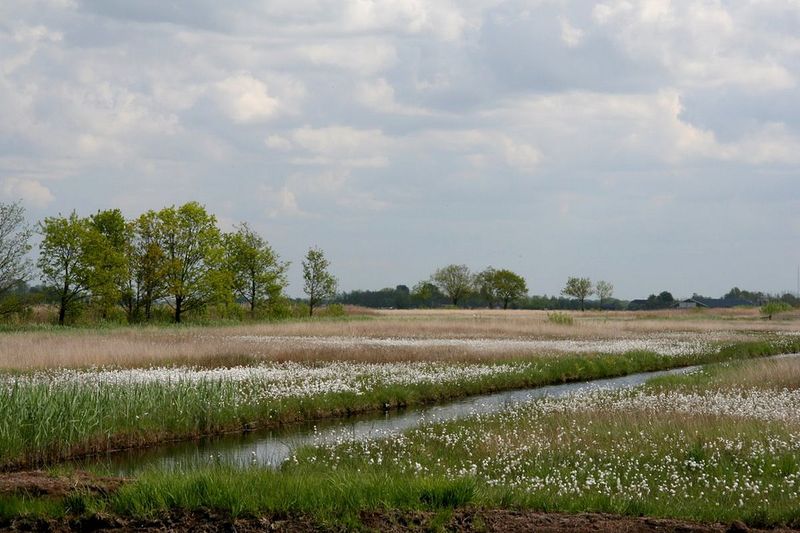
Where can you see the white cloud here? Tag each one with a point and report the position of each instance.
(276, 142)
(364, 56)
(522, 156)
(705, 44)
(379, 95)
(32, 192)
(341, 145)
(570, 35)
(440, 18)
(246, 99)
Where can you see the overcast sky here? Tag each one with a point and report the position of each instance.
(650, 143)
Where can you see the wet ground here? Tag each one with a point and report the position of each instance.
(390, 521)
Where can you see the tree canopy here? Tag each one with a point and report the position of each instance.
(455, 281)
(319, 284)
(579, 288)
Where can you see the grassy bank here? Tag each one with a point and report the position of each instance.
(61, 414)
(716, 446)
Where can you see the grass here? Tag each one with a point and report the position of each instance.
(46, 421)
(134, 346)
(57, 417)
(621, 453)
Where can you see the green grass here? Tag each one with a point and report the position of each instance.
(668, 464)
(43, 423)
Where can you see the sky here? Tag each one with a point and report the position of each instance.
(654, 144)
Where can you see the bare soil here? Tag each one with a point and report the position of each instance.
(390, 521)
(41, 484)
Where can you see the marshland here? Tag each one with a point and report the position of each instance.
(716, 445)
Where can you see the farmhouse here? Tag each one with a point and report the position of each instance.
(713, 303)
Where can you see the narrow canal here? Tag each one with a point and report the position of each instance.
(270, 448)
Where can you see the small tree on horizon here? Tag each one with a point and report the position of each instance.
(455, 281)
(579, 288)
(509, 286)
(604, 290)
(319, 284)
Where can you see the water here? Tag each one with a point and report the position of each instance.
(270, 448)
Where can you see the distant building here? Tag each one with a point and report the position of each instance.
(714, 303)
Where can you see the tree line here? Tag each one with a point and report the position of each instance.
(177, 261)
(175, 257)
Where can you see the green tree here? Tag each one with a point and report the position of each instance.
(425, 294)
(148, 266)
(319, 284)
(509, 286)
(486, 286)
(63, 261)
(15, 267)
(455, 281)
(107, 252)
(258, 276)
(192, 247)
(579, 288)
(604, 290)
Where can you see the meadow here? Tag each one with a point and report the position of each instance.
(727, 434)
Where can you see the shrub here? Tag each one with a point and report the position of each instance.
(775, 307)
(564, 319)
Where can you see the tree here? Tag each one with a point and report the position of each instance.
(509, 286)
(486, 287)
(455, 281)
(604, 290)
(319, 283)
(148, 265)
(63, 261)
(15, 268)
(258, 276)
(107, 254)
(191, 243)
(425, 294)
(579, 288)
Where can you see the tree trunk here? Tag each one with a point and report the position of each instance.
(62, 311)
(505, 304)
(311, 307)
(253, 299)
(178, 301)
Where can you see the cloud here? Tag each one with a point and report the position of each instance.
(30, 191)
(364, 56)
(334, 145)
(379, 96)
(570, 35)
(246, 99)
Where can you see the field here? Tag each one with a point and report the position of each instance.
(716, 446)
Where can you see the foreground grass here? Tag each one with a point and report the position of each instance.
(715, 446)
(51, 418)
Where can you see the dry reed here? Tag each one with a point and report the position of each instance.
(141, 346)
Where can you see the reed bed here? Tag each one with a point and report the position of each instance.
(233, 345)
(698, 447)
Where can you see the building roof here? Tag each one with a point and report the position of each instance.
(720, 303)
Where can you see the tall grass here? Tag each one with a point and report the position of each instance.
(52, 420)
(142, 346)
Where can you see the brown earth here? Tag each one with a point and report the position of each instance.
(391, 521)
(42, 484)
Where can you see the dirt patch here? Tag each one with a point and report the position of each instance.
(459, 521)
(38, 483)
